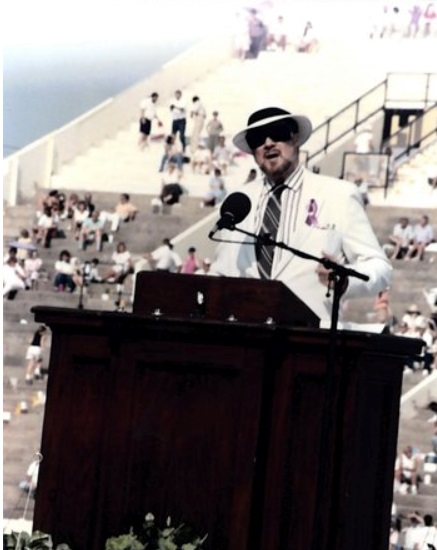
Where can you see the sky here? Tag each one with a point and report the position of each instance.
(59, 22)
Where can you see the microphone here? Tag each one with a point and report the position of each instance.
(233, 210)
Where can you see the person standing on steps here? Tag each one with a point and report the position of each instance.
(178, 110)
(214, 129)
(34, 354)
(147, 115)
(198, 115)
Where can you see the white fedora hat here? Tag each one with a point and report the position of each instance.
(267, 116)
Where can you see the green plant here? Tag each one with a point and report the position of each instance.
(36, 541)
(149, 537)
(124, 542)
(153, 537)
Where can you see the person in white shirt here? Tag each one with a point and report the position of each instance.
(363, 141)
(428, 534)
(29, 484)
(65, 273)
(201, 160)
(406, 470)
(80, 214)
(179, 118)
(165, 259)
(13, 278)
(198, 116)
(147, 114)
(32, 268)
(122, 264)
(400, 239)
(412, 532)
(46, 226)
(278, 35)
(412, 318)
(363, 146)
(223, 155)
(423, 236)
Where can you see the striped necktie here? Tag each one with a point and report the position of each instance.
(272, 215)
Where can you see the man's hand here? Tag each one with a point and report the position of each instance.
(324, 273)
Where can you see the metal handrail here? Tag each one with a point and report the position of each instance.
(415, 138)
(411, 142)
(352, 103)
(325, 126)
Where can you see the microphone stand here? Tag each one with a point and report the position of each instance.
(85, 272)
(338, 277)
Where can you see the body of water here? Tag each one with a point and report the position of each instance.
(43, 88)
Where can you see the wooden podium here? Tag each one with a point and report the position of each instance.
(216, 421)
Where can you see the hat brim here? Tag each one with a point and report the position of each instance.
(303, 123)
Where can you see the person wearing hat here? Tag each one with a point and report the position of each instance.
(319, 215)
(412, 317)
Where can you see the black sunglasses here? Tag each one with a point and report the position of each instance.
(276, 132)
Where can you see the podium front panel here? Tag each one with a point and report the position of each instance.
(199, 296)
(219, 424)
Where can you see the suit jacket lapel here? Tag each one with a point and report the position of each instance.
(312, 198)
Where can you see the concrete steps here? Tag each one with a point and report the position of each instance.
(408, 281)
(417, 431)
(408, 278)
(424, 504)
(234, 90)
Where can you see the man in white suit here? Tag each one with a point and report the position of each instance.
(321, 216)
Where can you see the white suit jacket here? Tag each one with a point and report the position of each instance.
(342, 230)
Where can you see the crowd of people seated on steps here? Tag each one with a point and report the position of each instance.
(413, 324)
(411, 242)
(75, 218)
(416, 325)
(172, 189)
(79, 220)
(414, 470)
(55, 208)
